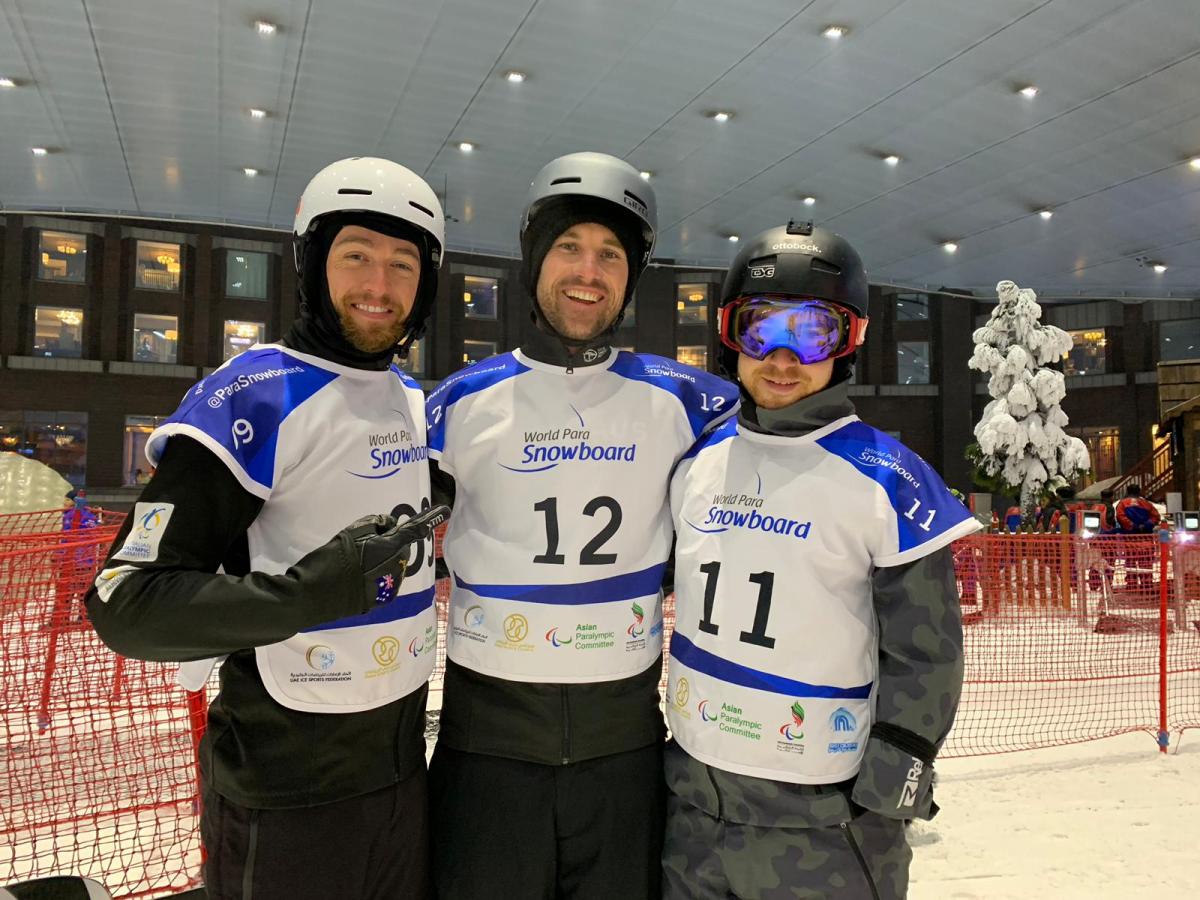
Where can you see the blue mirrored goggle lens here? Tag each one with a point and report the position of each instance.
(813, 331)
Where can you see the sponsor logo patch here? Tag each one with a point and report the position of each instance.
(150, 522)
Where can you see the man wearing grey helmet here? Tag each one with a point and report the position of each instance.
(546, 780)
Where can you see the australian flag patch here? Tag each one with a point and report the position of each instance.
(385, 589)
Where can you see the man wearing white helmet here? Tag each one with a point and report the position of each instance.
(313, 762)
(546, 780)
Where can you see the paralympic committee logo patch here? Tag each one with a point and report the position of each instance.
(555, 640)
(706, 714)
(639, 615)
(792, 732)
(150, 522)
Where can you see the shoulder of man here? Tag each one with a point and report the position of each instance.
(475, 378)
(706, 398)
(927, 515)
(236, 411)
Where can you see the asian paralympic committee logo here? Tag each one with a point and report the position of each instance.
(704, 716)
(555, 640)
(792, 730)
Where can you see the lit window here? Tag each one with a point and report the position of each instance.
(481, 296)
(246, 274)
(912, 308)
(155, 338)
(1179, 340)
(691, 304)
(158, 266)
(57, 439)
(1104, 449)
(137, 432)
(694, 355)
(1087, 356)
(474, 351)
(57, 332)
(414, 363)
(912, 362)
(241, 336)
(62, 257)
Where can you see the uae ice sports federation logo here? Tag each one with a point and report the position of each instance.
(639, 615)
(793, 730)
(320, 657)
(473, 616)
(386, 650)
(516, 627)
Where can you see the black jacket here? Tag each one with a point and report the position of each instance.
(255, 752)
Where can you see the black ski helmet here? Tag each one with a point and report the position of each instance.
(797, 260)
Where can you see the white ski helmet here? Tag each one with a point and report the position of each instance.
(375, 187)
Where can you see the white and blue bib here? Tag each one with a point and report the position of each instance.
(774, 656)
(322, 445)
(561, 527)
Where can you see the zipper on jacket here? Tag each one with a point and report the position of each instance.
(566, 731)
(845, 826)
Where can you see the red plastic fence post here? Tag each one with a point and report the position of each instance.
(1164, 554)
(197, 707)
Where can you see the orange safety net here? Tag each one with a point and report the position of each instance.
(97, 753)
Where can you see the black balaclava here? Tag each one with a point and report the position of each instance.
(318, 330)
(555, 217)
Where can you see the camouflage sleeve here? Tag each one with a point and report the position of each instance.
(920, 681)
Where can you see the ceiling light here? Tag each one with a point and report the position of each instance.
(1159, 268)
(265, 28)
(1046, 213)
(466, 146)
(1194, 162)
(733, 238)
(950, 247)
(645, 173)
(250, 171)
(39, 151)
(720, 115)
(809, 201)
(257, 113)
(892, 160)
(7, 82)
(833, 32)
(1029, 91)
(514, 76)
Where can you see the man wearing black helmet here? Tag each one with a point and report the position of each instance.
(817, 656)
(546, 780)
(313, 762)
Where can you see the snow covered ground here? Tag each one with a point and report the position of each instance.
(1105, 820)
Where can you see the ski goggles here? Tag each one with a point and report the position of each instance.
(812, 329)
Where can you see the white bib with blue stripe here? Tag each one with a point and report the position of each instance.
(561, 526)
(774, 656)
(323, 445)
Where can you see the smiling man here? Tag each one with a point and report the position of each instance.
(816, 662)
(546, 781)
(313, 762)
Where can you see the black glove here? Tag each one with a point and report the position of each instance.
(382, 547)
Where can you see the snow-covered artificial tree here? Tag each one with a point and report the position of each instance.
(1022, 449)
